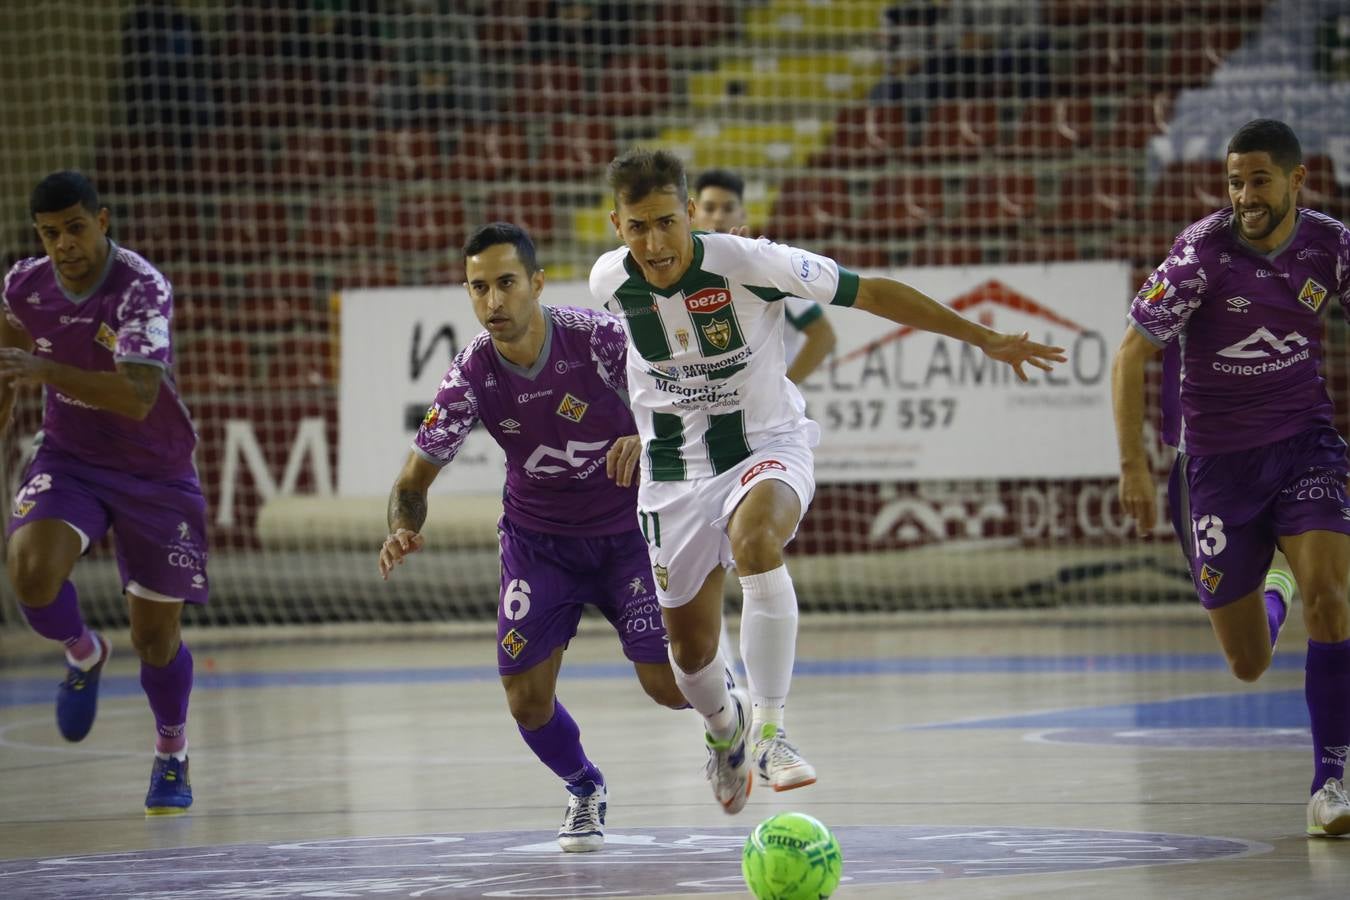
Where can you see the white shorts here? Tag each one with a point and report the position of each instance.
(685, 522)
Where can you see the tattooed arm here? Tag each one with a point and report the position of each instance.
(407, 511)
(131, 391)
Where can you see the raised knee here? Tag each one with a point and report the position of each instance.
(755, 552)
(531, 709)
(34, 582)
(1248, 669)
(693, 655)
(155, 646)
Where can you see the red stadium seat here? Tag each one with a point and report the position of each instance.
(310, 159)
(208, 364)
(160, 230)
(246, 230)
(1320, 190)
(531, 209)
(1138, 119)
(426, 222)
(489, 151)
(958, 130)
(692, 23)
(946, 253)
(1051, 127)
(1111, 59)
(809, 208)
(407, 154)
(1095, 197)
(995, 202)
(576, 149)
(549, 89)
(1186, 192)
(278, 298)
(340, 226)
(1042, 250)
(233, 159)
(634, 85)
(865, 136)
(301, 360)
(901, 206)
(1195, 52)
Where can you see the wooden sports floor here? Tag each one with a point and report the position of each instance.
(1075, 754)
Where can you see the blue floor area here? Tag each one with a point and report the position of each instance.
(1276, 709)
(29, 691)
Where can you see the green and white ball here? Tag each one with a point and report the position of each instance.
(791, 856)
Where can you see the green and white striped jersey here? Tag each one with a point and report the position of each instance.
(706, 371)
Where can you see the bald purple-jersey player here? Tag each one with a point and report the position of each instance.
(90, 322)
(1238, 303)
(550, 385)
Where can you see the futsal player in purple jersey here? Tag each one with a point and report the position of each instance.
(549, 384)
(89, 322)
(1260, 464)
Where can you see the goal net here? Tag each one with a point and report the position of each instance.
(302, 171)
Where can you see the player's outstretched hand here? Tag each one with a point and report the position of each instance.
(17, 364)
(621, 459)
(1137, 497)
(396, 546)
(1018, 350)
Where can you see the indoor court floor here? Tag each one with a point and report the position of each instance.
(1072, 753)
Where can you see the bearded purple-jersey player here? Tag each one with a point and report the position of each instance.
(550, 385)
(1260, 464)
(90, 323)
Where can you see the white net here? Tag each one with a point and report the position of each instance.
(270, 156)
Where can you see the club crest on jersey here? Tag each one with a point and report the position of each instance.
(513, 643)
(106, 337)
(682, 335)
(571, 408)
(662, 576)
(1160, 289)
(434, 415)
(760, 468)
(1210, 577)
(718, 333)
(23, 508)
(1312, 295)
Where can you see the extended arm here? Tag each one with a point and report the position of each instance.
(11, 335)
(1127, 401)
(904, 305)
(407, 511)
(130, 391)
(820, 341)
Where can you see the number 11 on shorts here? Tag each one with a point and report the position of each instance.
(651, 527)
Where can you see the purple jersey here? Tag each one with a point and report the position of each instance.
(555, 421)
(1248, 328)
(124, 318)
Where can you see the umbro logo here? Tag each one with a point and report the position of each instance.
(510, 426)
(1238, 304)
(1338, 752)
(34, 298)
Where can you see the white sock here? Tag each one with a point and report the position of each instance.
(706, 691)
(769, 641)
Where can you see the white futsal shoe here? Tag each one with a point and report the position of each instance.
(583, 825)
(1329, 811)
(778, 762)
(729, 761)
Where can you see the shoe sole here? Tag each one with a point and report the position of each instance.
(1339, 827)
(581, 848)
(807, 782)
(165, 810)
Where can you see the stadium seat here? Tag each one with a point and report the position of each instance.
(901, 206)
(277, 297)
(692, 23)
(310, 159)
(160, 230)
(1111, 60)
(994, 203)
(406, 154)
(425, 221)
(1185, 192)
(865, 136)
(637, 84)
(1051, 127)
(300, 360)
(956, 130)
(576, 149)
(1046, 249)
(1194, 52)
(339, 225)
(248, 230)
(233, 159)
(810, 208)
(1320, 190)
(210, 364)
(1138, 118)
(946, 253)
(489, 151)
(530, 208)
(549, 88)
(1095, 196)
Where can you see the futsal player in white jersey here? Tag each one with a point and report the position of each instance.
(727, 467)
(808, 338)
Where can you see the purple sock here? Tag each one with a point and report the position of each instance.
(1327, 689)
(167, 688)
(558, 746)
(1275, 613)
(61, 621)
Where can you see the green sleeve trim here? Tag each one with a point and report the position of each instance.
(801, 322)
(847, 292)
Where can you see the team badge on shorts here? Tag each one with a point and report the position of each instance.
(513, 643)
(571, 408)
(23, 508)
(1210, 577)
(1312, 295)
(662, 576)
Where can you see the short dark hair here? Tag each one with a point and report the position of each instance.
(495, 233)
(721, 178)
(62, 190)
(639, 172)
(1269, 136)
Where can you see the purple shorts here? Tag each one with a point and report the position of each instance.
(159, 526)
(1229, 509)
(548, 578)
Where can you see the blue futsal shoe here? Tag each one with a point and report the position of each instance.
(170, 788)
(77, 697)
